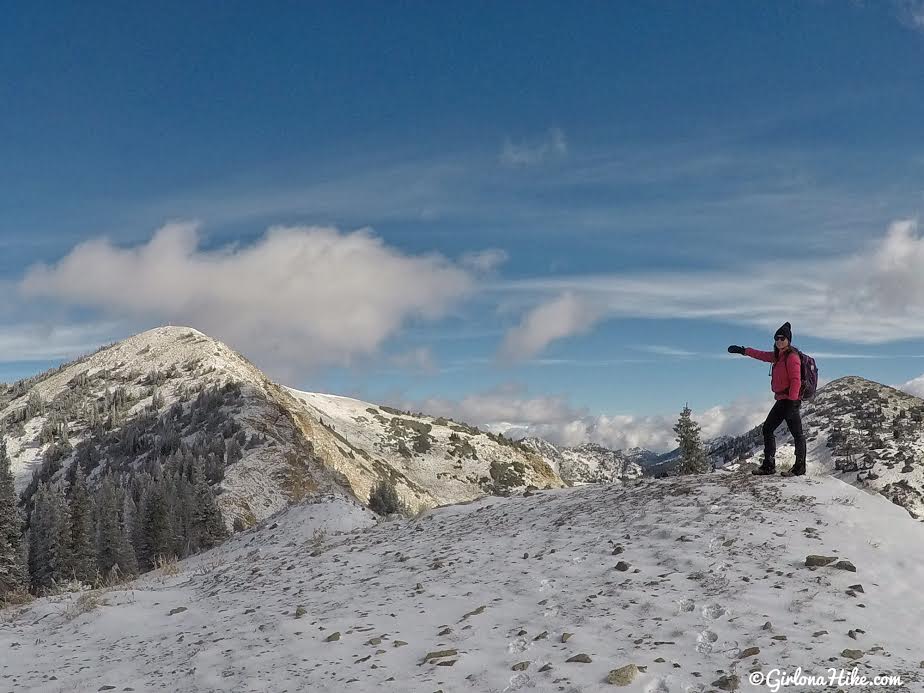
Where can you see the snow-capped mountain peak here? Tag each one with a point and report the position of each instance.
(288, 443)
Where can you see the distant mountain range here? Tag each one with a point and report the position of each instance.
(592, 463)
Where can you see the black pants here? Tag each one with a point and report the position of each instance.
(789, 411)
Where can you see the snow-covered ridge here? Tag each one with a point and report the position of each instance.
(310, 442)
(682, 584)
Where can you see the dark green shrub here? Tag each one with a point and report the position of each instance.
(384, 500)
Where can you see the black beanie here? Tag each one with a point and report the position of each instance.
(784, 331)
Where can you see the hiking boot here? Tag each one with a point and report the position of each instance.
(765, 468)
(798, 469)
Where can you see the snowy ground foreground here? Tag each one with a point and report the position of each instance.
(493, 586)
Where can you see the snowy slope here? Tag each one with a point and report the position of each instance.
(432, 461)
(693, 580)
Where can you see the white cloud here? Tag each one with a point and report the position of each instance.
(915, 386)
(911, 13)
(51, 342)
(733, 419)
(666, 350)
(297, 297)
(615, 432)
(888, 278)
(507, 402)
(510, 409)
(871, 297)
(420, 359)
(563, 316)
(651, 432)
(484, 261)
(530, 154)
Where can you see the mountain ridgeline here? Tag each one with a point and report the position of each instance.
(161, 445)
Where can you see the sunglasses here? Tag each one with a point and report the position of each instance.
(779, 339)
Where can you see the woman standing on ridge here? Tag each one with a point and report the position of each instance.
(786, 383)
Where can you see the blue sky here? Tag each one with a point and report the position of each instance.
(552, 217)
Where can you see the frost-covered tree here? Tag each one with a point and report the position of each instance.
(157, 400)
(82, 552)
(178, 491)
(35, 406)
(692, 455)
(114, 553)
(155, 526)
(12, 570)
(207, 529)
(233, 451)
(49, 538)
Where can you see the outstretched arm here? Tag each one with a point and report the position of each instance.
(767, 356)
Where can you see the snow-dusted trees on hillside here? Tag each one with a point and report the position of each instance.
(168, 513)
(137, 485)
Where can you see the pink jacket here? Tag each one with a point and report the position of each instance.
(786, 381)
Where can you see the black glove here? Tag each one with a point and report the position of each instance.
(736, 350)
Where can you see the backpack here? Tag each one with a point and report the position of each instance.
(809, 372)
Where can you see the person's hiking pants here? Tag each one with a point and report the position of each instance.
(787, 410)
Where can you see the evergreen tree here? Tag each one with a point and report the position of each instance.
(12, 569)
(34, 406)
(115, 556)
(131, 514)
(156, 527)
(384, 499)
(207, 527)
(49, 560)
(692, 455)
(82, 554)
(233, 452)
(129, 525)
(157, 400)
(178, 493)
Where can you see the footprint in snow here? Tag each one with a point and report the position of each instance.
(713, 610)
(685, 605)
(517, 682)
(705, 641)
(660, 685)
(517, 646)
